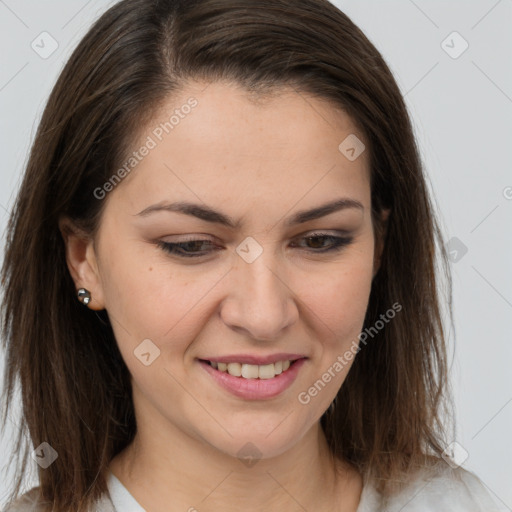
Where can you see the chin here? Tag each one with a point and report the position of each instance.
(263, 438)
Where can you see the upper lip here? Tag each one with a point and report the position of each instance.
(253, 359)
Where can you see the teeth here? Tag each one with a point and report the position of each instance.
(235, 369)
(250, 371)
(266, 371)
(253, 371)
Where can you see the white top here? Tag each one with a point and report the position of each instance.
(454, 490)
(123, 501)
(450, 490)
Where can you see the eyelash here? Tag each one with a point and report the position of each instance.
(338, 243)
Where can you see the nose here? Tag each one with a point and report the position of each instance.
(260, 301)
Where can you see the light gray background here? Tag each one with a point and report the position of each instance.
(462, 110)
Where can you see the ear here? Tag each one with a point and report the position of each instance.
(82, 261)
(380, 236)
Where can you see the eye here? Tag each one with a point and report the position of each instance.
(188, 248)
(334, 243)
(316, 243)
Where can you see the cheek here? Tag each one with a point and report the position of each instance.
(149, 298)
(339, 305)
(138, 287)
(339, 298)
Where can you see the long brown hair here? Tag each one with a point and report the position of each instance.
(392, 409)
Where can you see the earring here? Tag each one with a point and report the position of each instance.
(84, 296)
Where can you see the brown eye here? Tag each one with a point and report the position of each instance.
(188, 249)
(322, 242)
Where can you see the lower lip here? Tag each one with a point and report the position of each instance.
(255, 389)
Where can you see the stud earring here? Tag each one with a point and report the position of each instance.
(84, 296)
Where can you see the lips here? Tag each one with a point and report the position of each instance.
(254, 381)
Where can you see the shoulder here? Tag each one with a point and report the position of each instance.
(27, 502)
(455, 488)
(435, 489)
(31, 502)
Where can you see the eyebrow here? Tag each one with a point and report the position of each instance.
(210, 215)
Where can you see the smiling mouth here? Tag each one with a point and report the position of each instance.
(252, 371)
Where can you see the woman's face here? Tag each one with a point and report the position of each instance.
(253, 288)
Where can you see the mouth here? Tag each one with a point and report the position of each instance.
(254, 381)
(252, 371)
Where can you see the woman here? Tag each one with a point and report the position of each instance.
(219, 274)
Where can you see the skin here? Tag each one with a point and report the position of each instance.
(259, 162)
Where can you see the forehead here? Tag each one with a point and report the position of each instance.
(215, 142)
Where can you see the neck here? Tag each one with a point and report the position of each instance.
(164, 466)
